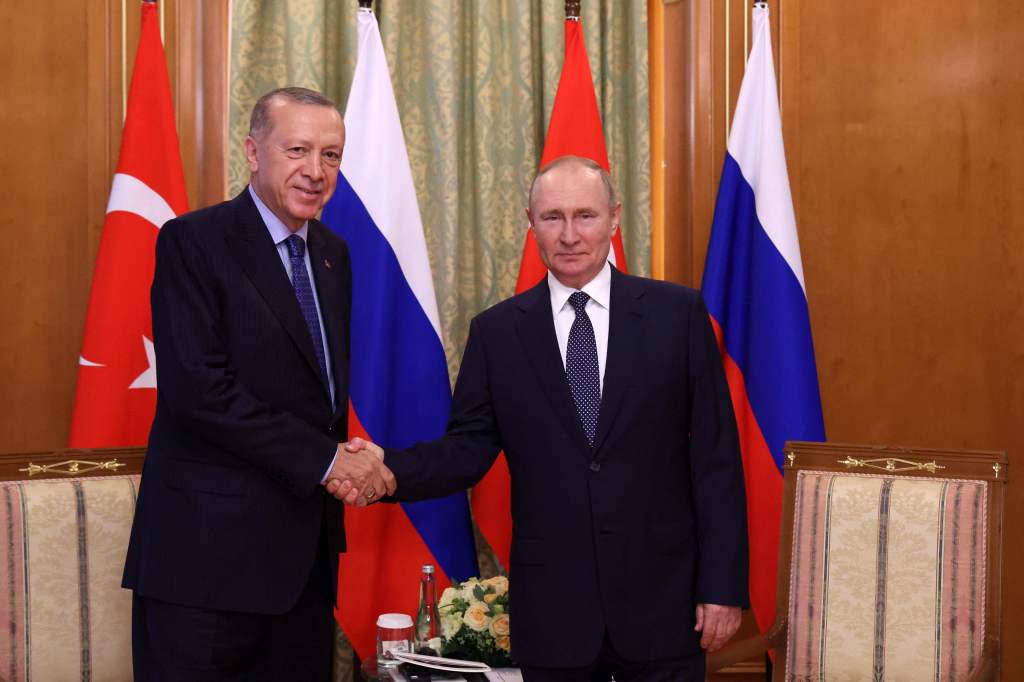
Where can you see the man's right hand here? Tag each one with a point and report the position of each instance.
(359, 476)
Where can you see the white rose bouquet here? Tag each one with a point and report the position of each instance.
(474, 621)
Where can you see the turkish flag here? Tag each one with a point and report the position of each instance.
(575, 129)
(116, 393)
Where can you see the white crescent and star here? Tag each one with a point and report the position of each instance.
(148, 378)
(131, 195)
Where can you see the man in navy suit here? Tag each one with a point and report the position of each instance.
(607, 394)
(234, 549)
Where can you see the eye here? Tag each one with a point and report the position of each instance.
(296, 152)
(332, 158)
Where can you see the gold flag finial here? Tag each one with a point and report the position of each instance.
(572, 9)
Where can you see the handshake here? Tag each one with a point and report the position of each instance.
(358, 475)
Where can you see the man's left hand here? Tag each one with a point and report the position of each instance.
(717, 624)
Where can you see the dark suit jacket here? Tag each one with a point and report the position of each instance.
(626, 537)
(230, 507)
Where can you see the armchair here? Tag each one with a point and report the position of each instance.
(65, 517)
(889, 566)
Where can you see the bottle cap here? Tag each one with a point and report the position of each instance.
(428, 568)
(394, 621)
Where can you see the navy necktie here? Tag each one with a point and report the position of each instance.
(304, 293)
(581, 368)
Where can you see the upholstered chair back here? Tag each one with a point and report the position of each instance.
(63, 538)
(888, 577)
(891, 564)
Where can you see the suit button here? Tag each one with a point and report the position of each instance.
(332, 428)
(595, 466)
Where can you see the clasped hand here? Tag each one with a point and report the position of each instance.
(359, 476)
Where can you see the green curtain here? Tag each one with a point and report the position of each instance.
(475, 81)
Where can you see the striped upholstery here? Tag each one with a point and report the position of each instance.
(887, 578)
(62, 547)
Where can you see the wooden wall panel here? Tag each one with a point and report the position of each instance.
(200, 97)
(44, 160)
(670, 83)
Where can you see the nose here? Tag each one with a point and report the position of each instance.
(314, 167)
(569, 234)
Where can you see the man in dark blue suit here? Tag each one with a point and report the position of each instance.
(234, 549)
(607, 394)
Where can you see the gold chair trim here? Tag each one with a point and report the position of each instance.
(72, 467)
(893, 464)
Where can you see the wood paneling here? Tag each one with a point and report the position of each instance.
(45, 156)
(905, 140)
(63, 80)
(200, 94)
(670, 83)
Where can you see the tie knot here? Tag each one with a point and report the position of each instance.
(296, 246)
(578, 300)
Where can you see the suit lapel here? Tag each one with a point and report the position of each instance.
(624, 336)
(325, 275)
(258, 256)
(536, 331)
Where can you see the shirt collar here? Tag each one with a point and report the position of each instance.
(277, 229)
(599, 289)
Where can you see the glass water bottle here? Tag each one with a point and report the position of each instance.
(428, 622)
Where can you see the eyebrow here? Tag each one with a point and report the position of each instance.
(303, 141)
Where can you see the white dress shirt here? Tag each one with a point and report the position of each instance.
(600, 291)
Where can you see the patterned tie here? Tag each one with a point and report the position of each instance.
(304, 292)
(581, 368)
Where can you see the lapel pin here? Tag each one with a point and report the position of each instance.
(327, 263)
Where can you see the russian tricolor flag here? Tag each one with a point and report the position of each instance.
(754, 290)
(399, 388)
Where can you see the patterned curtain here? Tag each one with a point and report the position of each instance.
(475, 81)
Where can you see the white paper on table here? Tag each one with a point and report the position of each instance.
(504, 675)
(455, 665)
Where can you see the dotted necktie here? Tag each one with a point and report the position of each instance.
(304, 293)
(581, 367)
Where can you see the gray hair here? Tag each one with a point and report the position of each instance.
(259, 121)
(589, 164)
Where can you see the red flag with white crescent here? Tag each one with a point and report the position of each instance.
(575, 128)
(116, 393)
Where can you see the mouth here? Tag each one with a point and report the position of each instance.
(309, 193)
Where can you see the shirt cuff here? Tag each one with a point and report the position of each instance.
(329, 467)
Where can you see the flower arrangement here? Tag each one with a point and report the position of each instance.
(475, 620)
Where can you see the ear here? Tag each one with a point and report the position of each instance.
(529, 218)
(250, 154)
(616, 216)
